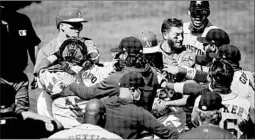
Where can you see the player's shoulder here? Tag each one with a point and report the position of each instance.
(49, 45)
(88, 41)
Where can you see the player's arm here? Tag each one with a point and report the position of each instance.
(99, 90)
(151, 124)
(187, 87)
(190, 73)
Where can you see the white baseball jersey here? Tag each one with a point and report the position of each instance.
(237, 111)
(243, 85)
(191, 43)
(85, 131)
(70, 110)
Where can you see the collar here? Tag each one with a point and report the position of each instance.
(225, 95)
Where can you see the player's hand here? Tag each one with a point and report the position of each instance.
(67, 68)
(171, 69)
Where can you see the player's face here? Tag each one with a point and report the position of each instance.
(72, 29)
(174, 37)
(198, 17)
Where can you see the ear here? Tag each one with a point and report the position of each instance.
(189, 12)
(164, 34)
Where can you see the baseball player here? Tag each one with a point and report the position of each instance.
(69, 24)
(198, 26)
(174, 53)
(208, 116)
(237, 112)
(68, 110)
(95, 117)
(242, 84)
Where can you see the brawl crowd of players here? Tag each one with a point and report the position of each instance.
(189, 84)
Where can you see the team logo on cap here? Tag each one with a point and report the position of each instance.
(199, 2)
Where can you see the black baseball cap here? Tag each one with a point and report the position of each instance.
(227, 52)
(210, 101)
(199, 5)
(216, 35)
(132, 79)
(131, 45)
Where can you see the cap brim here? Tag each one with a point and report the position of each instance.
(115, 50)
(151, 50)
(75, 20)
(202, 40)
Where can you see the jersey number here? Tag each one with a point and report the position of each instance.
(226, 126)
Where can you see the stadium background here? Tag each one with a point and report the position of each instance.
(110, 21)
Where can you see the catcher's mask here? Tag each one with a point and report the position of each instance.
(74, 51)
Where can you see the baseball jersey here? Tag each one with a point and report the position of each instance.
(85, 131)
(191, 43)
(236, 112)
(185, 58)
(70, 110)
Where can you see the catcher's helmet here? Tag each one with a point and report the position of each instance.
(73, 50)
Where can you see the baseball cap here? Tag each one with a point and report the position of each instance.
(132, 79)
(199, 5)
(210, 101)
(150, 42)
(131, 45)
(228, 52)
(69, 15)
(215, 35)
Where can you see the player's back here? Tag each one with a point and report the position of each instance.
(243, 85)
(85, 131)
(236, 112)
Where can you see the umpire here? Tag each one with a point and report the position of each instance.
(129, 52)
(17, 38)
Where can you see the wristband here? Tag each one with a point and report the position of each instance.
(52, 58)
(178, 87)
(191, 73)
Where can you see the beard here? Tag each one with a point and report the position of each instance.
(175, 46)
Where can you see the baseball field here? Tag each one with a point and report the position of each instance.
(110, 21)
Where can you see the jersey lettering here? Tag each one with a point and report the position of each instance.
(233, 110)
(194, 49)
(243, 78)
(232, 128)
(88, 75)
(86, 136)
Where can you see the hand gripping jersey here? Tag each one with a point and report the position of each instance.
(235, 113)
(191, 43)
(70, 110)
(85, 131)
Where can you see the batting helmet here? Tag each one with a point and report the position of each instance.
(149, 39)
(69, 15)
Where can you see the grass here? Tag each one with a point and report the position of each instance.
(110, 21)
